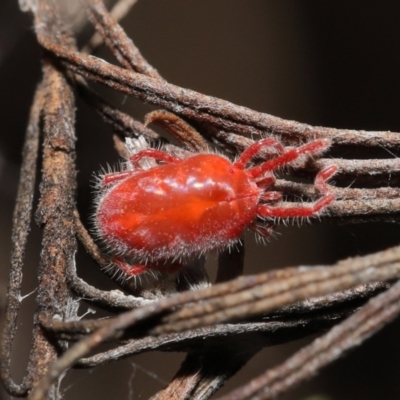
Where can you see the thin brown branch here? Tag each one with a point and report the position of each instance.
(21, 227)
(179, 129)
(364, 203)
(389, 166)
(270, 333)
(114, 36)
(210, 110)
(342, 194)
(120, 9)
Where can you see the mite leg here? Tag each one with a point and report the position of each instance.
(129, 269)
(304, 210)
(137, 269)
(309, 149)
(153, 153)
(266, 181)
(264, 230)
(114, 177)
(255, 149)
(271, 196)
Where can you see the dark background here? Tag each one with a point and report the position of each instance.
(324, 63)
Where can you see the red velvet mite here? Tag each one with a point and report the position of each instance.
(164, 216)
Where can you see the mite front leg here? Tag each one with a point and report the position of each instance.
(256, 149)
(115, 177)
(309, 149)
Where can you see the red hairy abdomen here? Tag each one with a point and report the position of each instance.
(178, 210)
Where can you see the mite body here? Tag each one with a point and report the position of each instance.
(190, 206)
(161, 217)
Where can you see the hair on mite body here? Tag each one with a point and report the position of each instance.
(161, 211)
